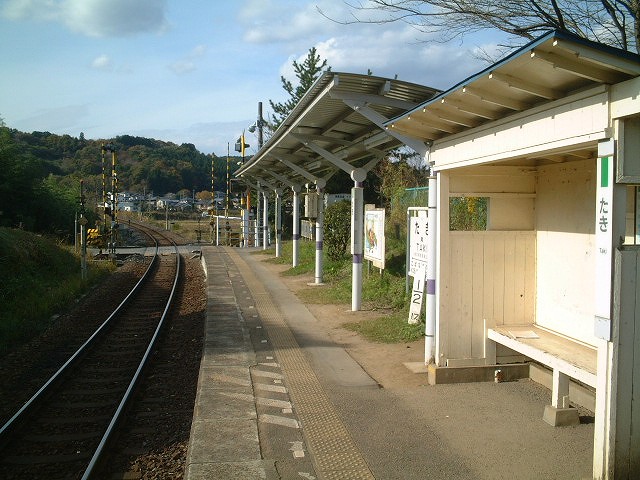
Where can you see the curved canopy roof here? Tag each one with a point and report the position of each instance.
(338, 124)
(549, 68)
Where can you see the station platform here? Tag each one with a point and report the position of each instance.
(278, 399)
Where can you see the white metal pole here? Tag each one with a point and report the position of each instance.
(430, 309)
(278, 222)
(296, 224)
(245, 227)
(320, 184)
(357, 248)
(357, 237)
(258, 217)
(265, 221)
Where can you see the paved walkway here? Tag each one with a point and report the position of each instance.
(278, 399)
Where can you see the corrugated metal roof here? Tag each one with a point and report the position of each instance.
(323, 121)
(549, 68)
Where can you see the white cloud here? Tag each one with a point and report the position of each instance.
(395, 49)
(283, 21)
(103, 62)
(96, 18)
(387, 49)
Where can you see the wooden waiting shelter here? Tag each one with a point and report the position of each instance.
(549, 140)
(337, 125)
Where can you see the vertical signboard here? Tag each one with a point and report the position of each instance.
(374, 241)
(417, 268)
(604, 239)
(418, 242)
(417, 292)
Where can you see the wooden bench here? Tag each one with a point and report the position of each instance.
(566, 357)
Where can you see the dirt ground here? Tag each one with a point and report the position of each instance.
(390, 373)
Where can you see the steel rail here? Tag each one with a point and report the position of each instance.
(38, 395)
(128, 393)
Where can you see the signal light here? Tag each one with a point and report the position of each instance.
(240, 146)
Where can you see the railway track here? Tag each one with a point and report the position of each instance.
(63, 430)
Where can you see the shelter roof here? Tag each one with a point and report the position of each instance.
(549, 68)
(341, 118)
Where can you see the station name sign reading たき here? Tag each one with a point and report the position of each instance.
(418, 242)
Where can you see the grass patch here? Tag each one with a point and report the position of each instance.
(306, 257)
(390, 329)
(379, 290)
(41, 278)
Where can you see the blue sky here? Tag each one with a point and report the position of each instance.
(192, 71)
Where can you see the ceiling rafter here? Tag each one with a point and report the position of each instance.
(264, 182)
(526, 86)
(491, 97)
(379, 120)
(326, 154)
(325, 139)
(621, 64)
(282, 179)
(466, 107)
(415, 131)
(429, 120)
(296, 168)
(378, 100)
(442, 111)
(336, 120)
(590, 72)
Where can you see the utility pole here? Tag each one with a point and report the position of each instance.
(103, 149)
(214, 206)
(260, 126)
(227, 226)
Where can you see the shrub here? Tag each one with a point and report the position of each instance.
(337, 229)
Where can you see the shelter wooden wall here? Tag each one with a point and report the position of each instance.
(493, 277)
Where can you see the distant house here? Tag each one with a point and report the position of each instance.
(128, 207)
(164, 203)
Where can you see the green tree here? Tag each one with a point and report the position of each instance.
(307, 73)
(337, 229)
(612, 22)
(395, 176)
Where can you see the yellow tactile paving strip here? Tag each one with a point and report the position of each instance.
(333, 450)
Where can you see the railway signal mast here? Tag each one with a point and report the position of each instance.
(83, 233)
(110, 199)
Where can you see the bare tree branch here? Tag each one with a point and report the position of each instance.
(613, 22)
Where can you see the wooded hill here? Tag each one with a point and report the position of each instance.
(40, 174)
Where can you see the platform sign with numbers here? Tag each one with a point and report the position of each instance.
(417, 292)
(418, 242)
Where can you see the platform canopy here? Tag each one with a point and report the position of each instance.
(547, 69)
(338, 124)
